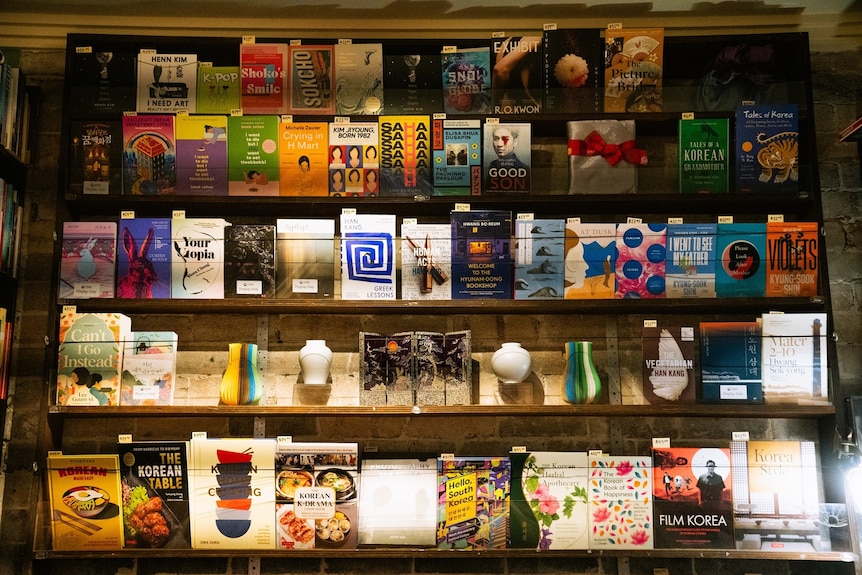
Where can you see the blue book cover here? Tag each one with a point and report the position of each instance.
(690, 264)
(740, 265)
(482, 265)
(539, 254)
(457, 157)
(731, 362)
(641, 255)
(767, 148)
(144, 258)
(466, 80)
(368, 256)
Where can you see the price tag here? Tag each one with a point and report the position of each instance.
(634, 220)
(739, 436)
(409, 222)
(69, 309)
(650, 323)
(449, 49)
(594, 453)
(688, 115)
(447, 456)
(287, 118)
(660, 571)
(248, 39)
(178, 214)
(686, 333)
(199, 434)
(129, 114)
(573, 220)
(519, 449)
(182, 112)
(283, 439)
(55, 453)
(127, 215)
(674, 220)
(615, 26)
(525, 216)
(236, 112)
(205, 64)
(492, 121)
(661, 442)
(439, 115)
(549, 26)
(498, 34)
(775, 218)
(345, 41)
(124, 438)
(371, 449)
(84, 50)
(725, 219)
(348, 211)
(462, 207)
(148, 51)
(341, 120)
(747, 102)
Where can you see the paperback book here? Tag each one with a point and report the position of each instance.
(740, 266)
(249, 264)
(767, 148)
(96, 159)
(573, 71)
(264, 78)
(87, 260)
(197, 262)
(368, 256)
(426, 261)
(253, 156)
(405, 156)
(634, 60)
(507, 157)
(219, 89)
(457, 156)
(641, 255)
(202, 155)
(540, 258)
(516, 79)
(167, 82)
(359, 79)
(104, 81)
(354, 163)
(668, 365)
(311, 80)
(793, 253)
(704, 156)
(305, 249)
(149, 375)
(149, 155)
(482, 262)
(303, 157)
(731, 362)
(590, 261)
(466, 80)
(144, 260)
(691, 255)
(795, 362)
(620, 502)
(411, 79)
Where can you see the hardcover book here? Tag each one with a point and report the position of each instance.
(692, 498)
(767, 148)
(305, 249)
(691, 255)
(795, 362)
(603, 157)
(197, 263)
(96, 159)
(516, 78)
(641, 254)
(457, 155)
(507, 157)
(149, 155)
(155, 486)
(540, 258)
(426, 261)
(573, 71)
(253, 157)
(704, 156)
(354, 164)
(149, 374)
(466, 80)
(634, 60)
(482, 262)
(411, 79)
(359, 79)
(87, 261)
(620, 502)
(104, 80)
(793, 250)
(740, 266)
(303, 157)
(167, 82)
(368, 256)
(144, 258)
(668, 365)
(202, 155)
(249, 263)
(405, 156)
(473, 497)
(219, 89)
(591, 257)
(731, 362)
(264, 78)
(85, 499)
(311, 80)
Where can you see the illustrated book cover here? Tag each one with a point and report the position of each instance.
(149, 374)
(516, 75)
(466, 75)
(264, 78)
(354, 162)
(197, 262)
(104, 80)
(149, 155)
(668, 365)
(573, 70)
(96, 159)
(482, 261)
(767, 148)
(704, 155)
(740, 265)
(305, 249)
(368, 256)
(359, 79)
(201, 155)
(540, 258)
(167, 82)
(691, 255)
(620, 502)
(795, 362)
(641, 255)
(253, 157)
(144, 258)
(426, 261)
(634, 61)
(731, 362)
(219, 89)
(507, 157)
(87, 261)
(457, 157)
(411, 79)
(303, 157)
(590, 261)
(311, 81)
(249, 261)
(405, 156)
(603, 156)
(792, 262)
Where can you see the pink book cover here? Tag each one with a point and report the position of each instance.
(263, 78)
(149, 155)
(640, 267)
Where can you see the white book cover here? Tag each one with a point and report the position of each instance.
(197, 263)
(149, 368)
(167, 82)
(426, 261)
(368, 256)
(354, 164)
(359, 79)
(795, 365)
(305, 250)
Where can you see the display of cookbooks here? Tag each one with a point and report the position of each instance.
(426, 261)
(311, 79)
(167, 82)
(507, 157)
(354, 159)
(405, 156)
(795, 362)
(539, 258)
(634, 62)
(516, 75)
(668, 365)
(249, 261)
(359, 78)
(202, 163)
(731, 362)
(149, 154)
(87, 260)
(590, 262)
(603, 157)
(305, 249)
(303, 157)
(149, 368)
(457, 156)
(368, 256)
(144, 258)
(466, 80)
(573, 70)
(96, 159)
(197, 262)
(620, 502)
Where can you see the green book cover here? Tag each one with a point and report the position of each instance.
(252, 152)
(703, 156)
(218, 89)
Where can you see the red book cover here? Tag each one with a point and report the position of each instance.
(263, 78)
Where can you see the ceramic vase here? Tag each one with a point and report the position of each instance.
(241, 383)
(511, 363)
(582, 379)
(315, 359)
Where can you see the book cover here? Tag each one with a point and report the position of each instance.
(540, 258)
(411, 79)
(311, 80)
(144, 258)
(466, 80)
(634, 60)
(219, 89)
(405, 156)
(457, 156)
(444, 368)
(90, 358)
(249, 263)
(641, 255)
(590, 261)
(167, 82)
(603, 157)
(473, 502)
(253, 157)
(264, 78)
(731, 362)
(482, 262)
(691, 255)
(573, 71)
(155, 485)
(426, 261)
(303, 157)
(359, 79)
(368, 256)
(668, 365)
(398, 502)
(740, 265)
(354, 163)
(549, 500)
(85, 499)
(793, 250)
(104, 80)
(767, 148)
(795, 362)
(620, 502)
(96, 158)
(387, 368)
(704, 156)
(507, 157)
(87, 260)
(201, 155)
(305, 249)
(516, 75)
(197, 262)
(149, 155)
(232, 493)
(149, 374)
(692, 498)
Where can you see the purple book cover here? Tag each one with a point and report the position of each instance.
(201, 155)
(144, 258)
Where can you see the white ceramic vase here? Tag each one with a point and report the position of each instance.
(315, 359)
(511, 363)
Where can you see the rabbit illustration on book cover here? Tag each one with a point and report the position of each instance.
(87, 265)
(140, 276)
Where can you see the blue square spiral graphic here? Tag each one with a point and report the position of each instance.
(369, 257)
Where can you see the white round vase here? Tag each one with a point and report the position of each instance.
(315, 359)
(511, 363)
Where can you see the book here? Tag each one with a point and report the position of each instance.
(249, 263)
(640, 266)
(731, 362)
(167, 82)
(767, 148)
(87, 260)
(603, 157)
(144, 260)
(359, 79)
(305, 251)
(411, 79)
(197, 262)
(104, 80)
(443, 367)
(573, 70)
(219, 90)
(540, 258)
(387, 368)
(90, 358)
(690, 264)
(549, 500)
(507, 157)
(516, 75)
(792, 262)
(85, 499)
(620, 502)
(795, 363)
(264, 78)
(466, 75)
(149, 375)
(354, 164)
(590, 261)
(405, 156)
(692, 498)
(253, 156)
(634, 59)
(426, 261)
(368, 256)
(202, 168)
(457, 157)
(96, 159)
(155, 484)
(704, 156)
(473, 502)
(303, 157)
(482, 262)
(668, 365)
(149, 154)
(740, 265)
(311, 79)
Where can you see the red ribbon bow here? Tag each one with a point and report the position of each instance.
(594, 145)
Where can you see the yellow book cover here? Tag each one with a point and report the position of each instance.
(633, 69)
(303, 157)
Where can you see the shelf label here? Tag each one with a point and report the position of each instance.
(84, 50)
(370, 449)
(725, 219)
(615, 26)
(249, 287)
(634, 220)
(287, 118)
(449, 49)
(248, 39)
(341, 120)
(526, 216)
(462, 207)
(128, 113)
(148, 51)
(660, 571)
(519, 449)
(661, 442)
(55, 453)
(674, 220)
(573, 220)
(178, 214)
(492, 121)
(594, 453)
(69, 309)
(124, 438)
(409, 222)
(650, 323)
(447, 456)
(199, 434)
(439, 116)
(775, 218)
(205, 64)
(127, 215)
(348, 211)
(688, 115)
(182, 112)
(283, 439)
(296, 42)
(739, 436)
(345, 41)
(549, 26)
(236, 112)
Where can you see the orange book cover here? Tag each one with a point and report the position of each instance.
(633, 69)
(792, 250)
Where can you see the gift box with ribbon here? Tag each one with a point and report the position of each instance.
(603, 157)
